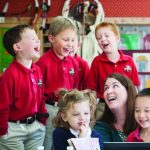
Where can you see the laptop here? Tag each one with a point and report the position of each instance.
(126, 146)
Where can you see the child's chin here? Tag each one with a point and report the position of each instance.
(36, 57)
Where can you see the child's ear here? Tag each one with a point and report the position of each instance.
(51, 38)
(63, 116)
(16, 47)
(118, 37)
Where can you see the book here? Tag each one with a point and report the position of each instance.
(84, 143)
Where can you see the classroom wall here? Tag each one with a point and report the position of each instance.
(112, 8)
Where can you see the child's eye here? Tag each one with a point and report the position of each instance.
(137, 110)
(65, 39)
(147, 111)
(75, 114)
(106, 35)
(86, 113)
(98, 38)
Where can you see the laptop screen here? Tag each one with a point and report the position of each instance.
(126, 146)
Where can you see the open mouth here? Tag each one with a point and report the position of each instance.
(105, 45)
(36, 49)
(66, 50)
(111, 99)
(142, 121)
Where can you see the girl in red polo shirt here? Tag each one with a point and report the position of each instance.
(142, 116)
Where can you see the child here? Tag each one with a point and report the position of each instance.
(74, 118)
(22, 105)
(142, 116)
(93, 14)
(59, 69)
(111, 60)
(83, 66)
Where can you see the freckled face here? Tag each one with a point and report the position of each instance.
(107, 40)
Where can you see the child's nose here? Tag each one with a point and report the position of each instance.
(81, 117)
(141, 114)
(69, 43)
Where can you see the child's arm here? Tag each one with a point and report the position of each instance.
(5, 96)
(42, 114)
(60, 137)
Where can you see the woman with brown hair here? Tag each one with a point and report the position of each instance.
(117, 120)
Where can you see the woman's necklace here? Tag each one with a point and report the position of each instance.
(121, 133)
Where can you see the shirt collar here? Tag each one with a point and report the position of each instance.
(23, 68)
(55, 57)
(76, 134)
(122, 57)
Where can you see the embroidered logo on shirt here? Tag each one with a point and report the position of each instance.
(71, 71)
(39, 82)
(127, 68)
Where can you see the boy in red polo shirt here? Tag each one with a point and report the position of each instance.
(59, 69)
(22, 105)
(83, 66)
(111, 60)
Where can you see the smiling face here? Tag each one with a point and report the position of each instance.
(107, 39)
(28, 47)
(76, 47)
(142, 111)
(115, 94)
(63, 42)
(78, 115)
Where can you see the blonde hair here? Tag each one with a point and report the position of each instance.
(60, 24)
(69, 98)
(112, 26)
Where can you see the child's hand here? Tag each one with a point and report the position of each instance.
(84, 127)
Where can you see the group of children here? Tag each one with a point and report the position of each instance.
(26, 87)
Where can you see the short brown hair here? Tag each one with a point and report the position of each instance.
(60, 24)
(110, 25)
(12, 36)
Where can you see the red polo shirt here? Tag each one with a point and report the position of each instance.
(101, 67)
(21, 94)
(83, 72)
(58, 73)
(134, 136)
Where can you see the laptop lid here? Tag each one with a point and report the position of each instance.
(126, 146)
